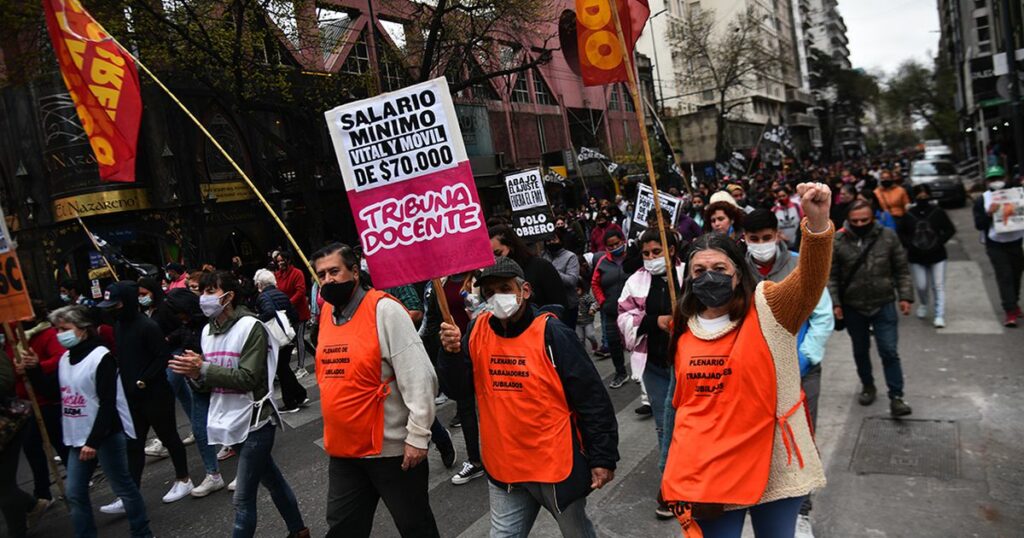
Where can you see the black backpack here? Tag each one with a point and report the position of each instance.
(924, 237)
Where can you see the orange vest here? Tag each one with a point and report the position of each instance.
(525, 422)
(725, 400)
(348, 370)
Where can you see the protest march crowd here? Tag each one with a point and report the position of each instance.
(764, 268)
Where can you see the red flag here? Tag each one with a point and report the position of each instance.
(103, 84)
(601, 58)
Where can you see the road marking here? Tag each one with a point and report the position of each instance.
(968, 309)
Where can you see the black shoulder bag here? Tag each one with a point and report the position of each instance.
(840, 324)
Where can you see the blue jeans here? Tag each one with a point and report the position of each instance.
(514, 512)
(614, 341)
(112, 454)
(256, 466)
(668, 421)
(200, 409)
(770, 520)
(657, 381)
(885, 323)
(181, 391)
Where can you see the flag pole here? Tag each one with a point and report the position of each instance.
(638, 106)
(92, 238)
(216, 144)
(22, 342)
(675, 158)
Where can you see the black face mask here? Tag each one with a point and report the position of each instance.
(713, 289)
(886, 184)
(861, 231)
(553, 248)
(338, 294)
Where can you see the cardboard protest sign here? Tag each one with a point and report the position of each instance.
(531, 216)
(15, 304)
(1010, 217)
(645, 204)
(410, 186)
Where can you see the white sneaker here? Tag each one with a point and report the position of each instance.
(922, 311)
(231, 486)
(939, 323)
(190, 440)
(225, 453)
(212, 482)
(179, 491)
(301, 373)
(116, 507)
(803, 527)
(441, 398)
(156, 449)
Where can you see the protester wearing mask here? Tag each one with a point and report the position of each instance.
(150, 295)
(69, 294)
(547, 402)
(846, 195)
(142, 356)
(924, 231)
(606, 283)
(869, 275)
(176, 275)
(740, 440)
(292, 282)
(602, 225)
(568, 266)
(1004, 250)
(789, 215)
(96, 422)
(688, 227)
(697, 211)
(540, 273)
(644, 314)
(770, 259)
(892, 198)
(235, 366)
(378, 406)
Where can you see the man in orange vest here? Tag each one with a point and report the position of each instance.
(548, 433)
(377, 389)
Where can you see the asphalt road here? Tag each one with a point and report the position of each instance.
(955, 469)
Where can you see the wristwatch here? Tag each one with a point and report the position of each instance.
(140, 384)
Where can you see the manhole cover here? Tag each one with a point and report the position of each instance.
(908, 447)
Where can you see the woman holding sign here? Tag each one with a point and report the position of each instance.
(741, 440)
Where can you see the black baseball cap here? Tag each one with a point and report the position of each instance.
(503, 268)
(119, 292)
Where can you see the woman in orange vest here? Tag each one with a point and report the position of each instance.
(741, 440)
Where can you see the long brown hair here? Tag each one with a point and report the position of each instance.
(689, 306)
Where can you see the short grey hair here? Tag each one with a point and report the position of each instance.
(76, 315)
(264, 278)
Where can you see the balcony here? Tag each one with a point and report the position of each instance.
(800, 95)
(800, 119)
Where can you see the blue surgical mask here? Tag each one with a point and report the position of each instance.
(68, 339)
(65, 297)
(618, 251)
(145, 300)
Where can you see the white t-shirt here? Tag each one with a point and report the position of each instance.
(713, 325)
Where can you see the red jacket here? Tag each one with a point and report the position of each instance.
(293, 284)
(44, 343)
(597, 236)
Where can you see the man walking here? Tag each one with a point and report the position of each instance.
(377, 390)
(548, 432)
(869, 273)
(1004, 249)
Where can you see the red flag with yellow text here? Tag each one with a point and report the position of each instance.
(103, 84)
(601, 56)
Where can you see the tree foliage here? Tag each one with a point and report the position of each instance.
(843, 94)
(731, 62)
(925, 94)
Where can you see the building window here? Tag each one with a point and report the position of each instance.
(984, 31)
(540, 135)
(521, 91)
(393, 75)
(541, 91)
(613, 99)
(707, 95)
(628, 100)
(334, 26)
(358, 61)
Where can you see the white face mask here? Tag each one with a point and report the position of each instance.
(503, 305)
(996, 185)
(655, 266)
(762, 252)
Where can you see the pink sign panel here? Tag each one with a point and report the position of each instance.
(410, 186)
